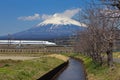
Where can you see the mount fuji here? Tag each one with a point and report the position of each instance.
(53, 28)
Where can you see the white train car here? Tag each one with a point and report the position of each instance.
(22, 42)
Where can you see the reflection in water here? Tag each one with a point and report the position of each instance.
(74, 71)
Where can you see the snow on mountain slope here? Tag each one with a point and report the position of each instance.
(61, 20)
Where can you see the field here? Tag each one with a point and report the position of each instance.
(26, 69)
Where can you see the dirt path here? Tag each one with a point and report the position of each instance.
(30, 56)
(17, 57)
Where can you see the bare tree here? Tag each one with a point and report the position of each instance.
(113, 16)
(113, 3)
(99, 37)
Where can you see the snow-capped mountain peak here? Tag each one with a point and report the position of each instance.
(61, 20)
(56, 27)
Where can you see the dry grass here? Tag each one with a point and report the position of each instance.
(18, 56)
(31, 56)
(59, 56)
(116, 54)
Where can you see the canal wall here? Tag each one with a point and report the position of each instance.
(55, 72)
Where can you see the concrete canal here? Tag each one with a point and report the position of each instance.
(74, 71)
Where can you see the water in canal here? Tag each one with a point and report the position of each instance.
(74, 71)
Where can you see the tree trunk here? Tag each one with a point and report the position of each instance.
(100, 59)
(110, 55)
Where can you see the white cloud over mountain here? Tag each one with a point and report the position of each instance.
(30, 18)
(67, 13)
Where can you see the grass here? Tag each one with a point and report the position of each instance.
(116, 54)
(96, 72)
(28, 69)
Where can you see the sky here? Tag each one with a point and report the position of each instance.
(20, 15)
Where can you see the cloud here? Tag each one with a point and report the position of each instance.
(67, 13)
(30, 18)
(44, 16)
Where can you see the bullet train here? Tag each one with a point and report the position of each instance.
(22, 42)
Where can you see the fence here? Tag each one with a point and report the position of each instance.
(38, 50)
